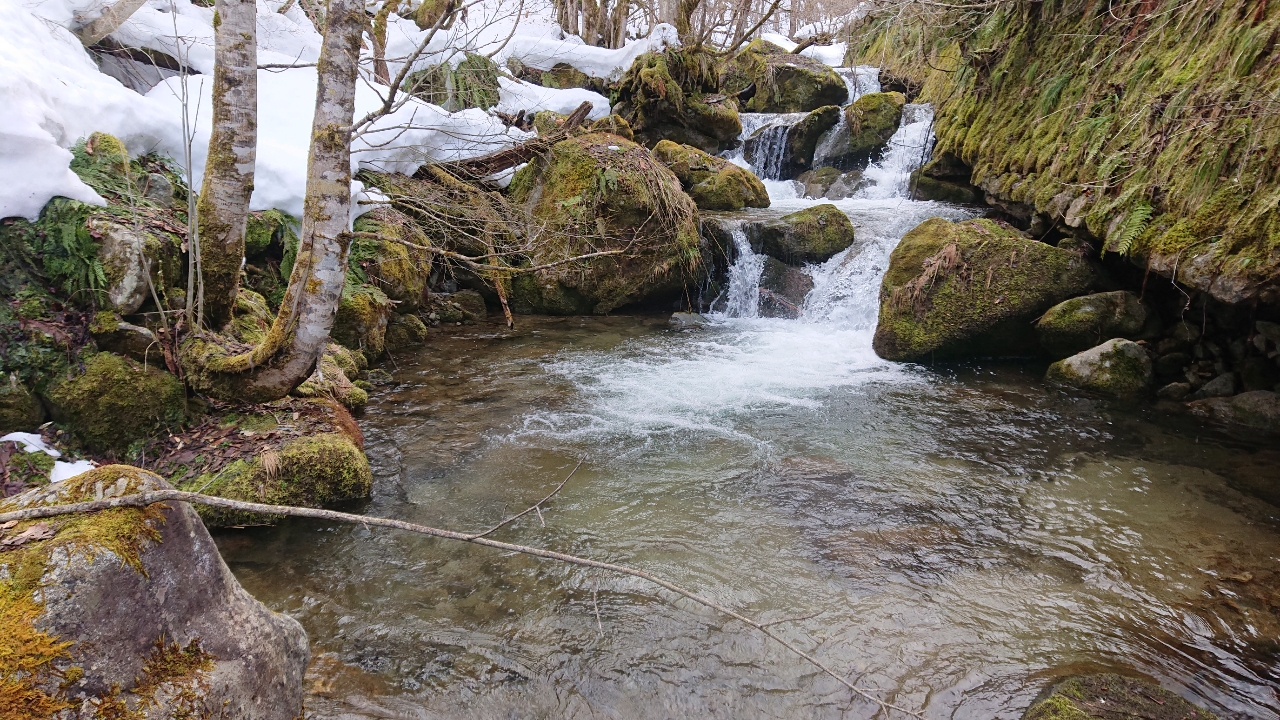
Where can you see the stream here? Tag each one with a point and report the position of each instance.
(952, 537)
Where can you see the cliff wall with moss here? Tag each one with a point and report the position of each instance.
(1150, 127)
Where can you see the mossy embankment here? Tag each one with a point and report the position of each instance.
(1146, 125)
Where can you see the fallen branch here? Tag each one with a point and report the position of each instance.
(155, 496)
(496, 162)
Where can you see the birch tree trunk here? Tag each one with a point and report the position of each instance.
(297, 338)
(228, 175)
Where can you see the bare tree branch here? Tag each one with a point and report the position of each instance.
(155, 496)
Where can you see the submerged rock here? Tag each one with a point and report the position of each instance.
(784, 82)
(811, 235)
(1083, 322)
(116, 401)
(1257, 409)
(131, 612)
(1119, 368)
(1108, 695)
(971, 288)
(597, 192)
(685, 320)
(714, 183)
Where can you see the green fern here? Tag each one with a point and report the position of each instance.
(1135, 223)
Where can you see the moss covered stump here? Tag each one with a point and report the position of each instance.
(811, 235)
(596, 193)
(131, 612)
(971, 288)
(1116, 368)
(117, 401)
(714, 183)
(1107, 695)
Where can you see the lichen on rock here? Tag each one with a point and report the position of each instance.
(130, 612)
(971, 287)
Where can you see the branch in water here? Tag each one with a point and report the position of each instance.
(155, 496)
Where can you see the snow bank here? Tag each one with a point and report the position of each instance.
(544, 51)
(517, 95)
(32, 442)
(832, 54)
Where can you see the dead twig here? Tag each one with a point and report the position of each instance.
(536, 506)
(155, 496)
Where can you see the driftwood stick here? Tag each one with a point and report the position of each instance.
(487, 165)
(147, 498)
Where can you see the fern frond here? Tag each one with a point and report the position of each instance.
(1135, 223)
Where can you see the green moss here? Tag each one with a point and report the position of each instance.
(116, 401)
(811, 235)
(1084, 322)
(264, 228)
(405, 332)
(802, 138)
(361, 323)
(1118, 368)
(598, 192)
(20, 411)
(784, 82)
(872, 120)
(713, 183)
(1132, 108)
(316, 471)
(676, 95)
(252, 319)
(547, 121)
(970, 287)
(1084, 697)
(614, 125)
(473, 83)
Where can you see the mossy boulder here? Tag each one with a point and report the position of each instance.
(614, 125)
(1083, 322)
(117, 401)
(405, 332)
(133, 613)
(361, 324)
(971, 287)
(1107, 695)
(817, 181)
(870, 121)
(472, 83)
(133, 262)
(265, 229)
(714, 183)
(548, 121)
(391, 262)
(802, 138)
(675, 95)
(112, 333)
(811, 235)
(1118, 368)
(597, 192)
(784, 82)
(924, 187)
(20, 410)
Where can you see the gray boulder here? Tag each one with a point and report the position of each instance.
(1222, 386)
(1118, 368)
(149, 613)
(127, 255)
(112, 333)
(1082, 322)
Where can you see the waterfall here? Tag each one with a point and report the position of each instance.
(906, 152)
(742, 300)
(858, 81)
(764, 143)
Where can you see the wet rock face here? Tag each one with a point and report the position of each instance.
(133, 611)
(1117, 368)
(1082, 322)
(782, 289)
(871, 119)
(802, 138)
(1109, 695)
(714, 183)
(1256, 409)
(811, 235)
(971, 288)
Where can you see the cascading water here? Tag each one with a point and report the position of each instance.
(846, 287)
(859, 81)
(764, 143)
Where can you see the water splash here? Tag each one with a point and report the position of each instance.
(907, 150)
(742, 300)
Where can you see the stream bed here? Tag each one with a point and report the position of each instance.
(952, 537)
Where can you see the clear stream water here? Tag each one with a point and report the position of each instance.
(951, 537)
